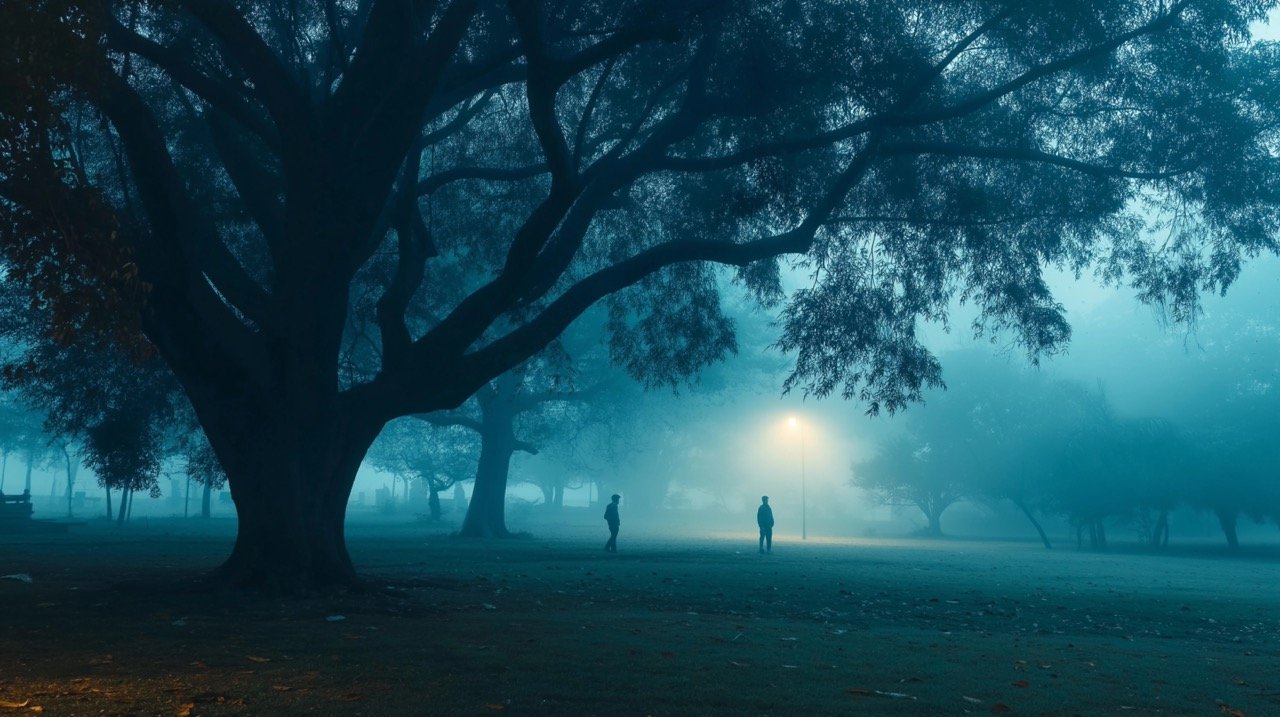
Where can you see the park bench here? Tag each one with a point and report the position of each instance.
(15, 511)
(15, 517)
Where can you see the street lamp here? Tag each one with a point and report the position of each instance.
(804, 527)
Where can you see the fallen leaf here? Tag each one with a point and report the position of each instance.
(495, 707)
(896, 695)
(1000, 708)
(14, 705)
(1230, 711)
(282, 688)
(973, 700)
(1021, 683)
(860, 691)
(256, 658)
(185, 710)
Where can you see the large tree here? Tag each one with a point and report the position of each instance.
(230, 177)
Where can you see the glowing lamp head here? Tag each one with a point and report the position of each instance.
(793, 422)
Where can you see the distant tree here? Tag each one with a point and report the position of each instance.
(1008, 420)
(1107, 467)
(228, 178)
(431, 458)
(71, 462)
(518, 411)
(907, 471)
(1225, 397)
(1236, 472)
(1162, 462)
(20, 430)
(199, 463)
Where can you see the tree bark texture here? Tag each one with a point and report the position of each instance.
(486, 514)
(290, 467)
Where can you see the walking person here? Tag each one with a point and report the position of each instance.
(764, 518)
(611, 517)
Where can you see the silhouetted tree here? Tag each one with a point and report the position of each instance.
(907, 471)
(229, 178)
(432, 459)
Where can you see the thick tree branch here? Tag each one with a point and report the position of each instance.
(542, 86)
(464, 116)
(375, 127)
(176, 256)
(218, 94)
(447, 419)
(258, 187)
(489, 174)
(414, 247)
(508, 351)
(283, 97)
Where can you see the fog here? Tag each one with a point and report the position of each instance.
(697, 457)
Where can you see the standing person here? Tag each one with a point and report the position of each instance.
(611, 517)
(764, 518)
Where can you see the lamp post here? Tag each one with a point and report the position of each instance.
(804, 527)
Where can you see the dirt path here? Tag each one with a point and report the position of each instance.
(665, 627)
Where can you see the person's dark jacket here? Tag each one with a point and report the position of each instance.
(764, 517)
(611, 514)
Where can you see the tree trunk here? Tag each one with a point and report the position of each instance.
(557, 499)
(433, 502)
(289, 444)
(1031, 517)
(4, 465)
(291, 530)
(1160, 534)
(935, 520)
(290, 478)
(30, 459)
(1228, 518)
(72, 469)
(108, 488)
(125, 495)
(486, 515)
(206, 501)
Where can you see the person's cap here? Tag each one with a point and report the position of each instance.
(764, 497)
(615, 496)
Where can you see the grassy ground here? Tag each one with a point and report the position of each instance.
(555, 626)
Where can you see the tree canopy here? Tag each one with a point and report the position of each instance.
(323, 216)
